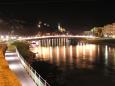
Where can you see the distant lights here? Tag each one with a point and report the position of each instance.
(20, 37)
(42, 23)
(1, 37)
(47, 25)
(39, 26)
(7, 37)
(13, 37)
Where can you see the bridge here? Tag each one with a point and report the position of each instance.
(55, 39)
(56, 36)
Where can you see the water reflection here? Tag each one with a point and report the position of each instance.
(106, 55)
(79, 56)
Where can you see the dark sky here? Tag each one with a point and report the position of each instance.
(75, 15)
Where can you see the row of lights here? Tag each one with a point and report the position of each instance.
(45, 24)
(7, 37)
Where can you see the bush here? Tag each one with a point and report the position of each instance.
(23, 48)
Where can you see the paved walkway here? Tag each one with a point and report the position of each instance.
(16, 66)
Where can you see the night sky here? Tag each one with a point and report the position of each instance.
(74, 15)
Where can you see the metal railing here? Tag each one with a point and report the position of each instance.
(34, 75)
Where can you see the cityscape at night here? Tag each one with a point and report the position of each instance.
(57, 43)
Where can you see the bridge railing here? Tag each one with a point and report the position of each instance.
(34, 75)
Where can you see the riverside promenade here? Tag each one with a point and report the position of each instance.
(7, 77)
(16, 66)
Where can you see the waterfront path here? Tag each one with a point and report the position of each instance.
(16, 66)
(7, 77)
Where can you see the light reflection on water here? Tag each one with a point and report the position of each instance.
(78, 56)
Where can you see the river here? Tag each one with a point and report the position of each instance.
(99, 58)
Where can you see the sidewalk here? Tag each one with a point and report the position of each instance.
(16, 66)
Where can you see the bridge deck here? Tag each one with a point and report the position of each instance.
(16, 66)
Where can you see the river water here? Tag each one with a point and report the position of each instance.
(81, 56)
